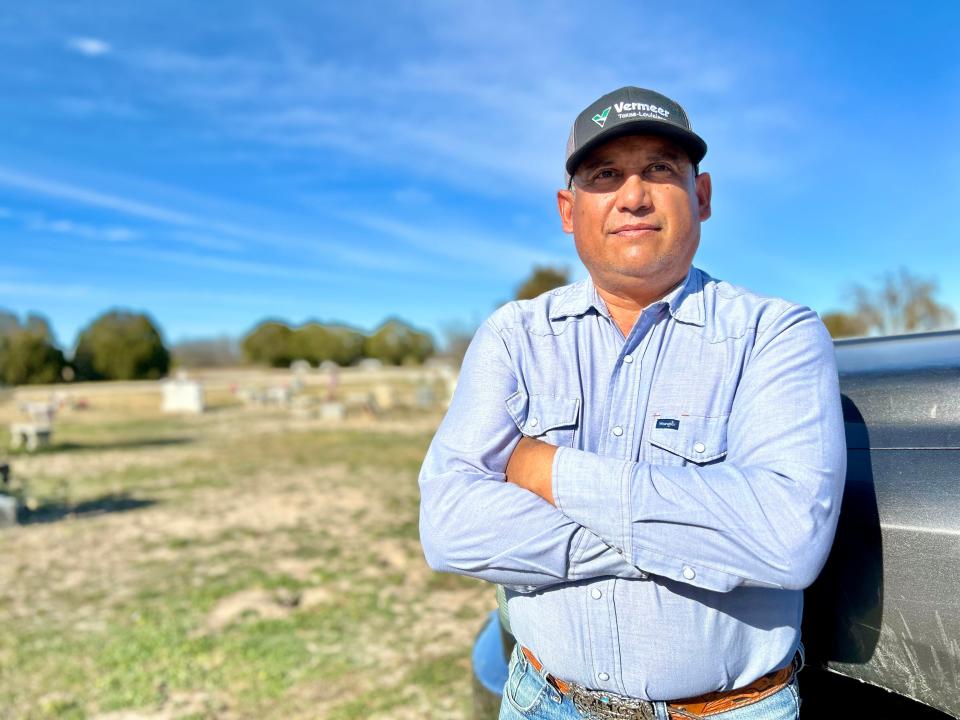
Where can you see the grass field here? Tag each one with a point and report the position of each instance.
(237, 564)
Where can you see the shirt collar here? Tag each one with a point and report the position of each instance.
(577, 299)
(685, 301)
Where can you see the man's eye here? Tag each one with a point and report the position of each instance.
(605, 174)
(660, 167)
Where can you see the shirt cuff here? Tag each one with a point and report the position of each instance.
(593, 491)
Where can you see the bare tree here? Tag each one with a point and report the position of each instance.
(902, 303)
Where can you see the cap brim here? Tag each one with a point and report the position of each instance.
(692, 143)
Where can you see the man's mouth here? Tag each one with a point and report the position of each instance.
(635, 229)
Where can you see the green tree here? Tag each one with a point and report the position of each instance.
(396, 343)
(317, 343)
(38, 325)
(269, 343)
(28, 353)
(541, 280)
(349, 346)
(121, 345)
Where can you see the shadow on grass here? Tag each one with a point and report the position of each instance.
(55, 511)
(111, 445)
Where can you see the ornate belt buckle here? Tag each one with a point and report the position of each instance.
(599, 705)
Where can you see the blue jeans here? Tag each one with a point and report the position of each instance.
(527, 696)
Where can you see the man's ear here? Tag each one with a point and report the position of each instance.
(565, 207)
(704, 188)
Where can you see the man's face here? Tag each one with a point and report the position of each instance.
(635, 213)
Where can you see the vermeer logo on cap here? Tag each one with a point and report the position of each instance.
(635, 107)
(601, 118)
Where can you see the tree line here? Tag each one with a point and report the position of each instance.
(277, 344)
(125, 345)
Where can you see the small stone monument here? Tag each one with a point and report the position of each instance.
(300, 370)
(333, 378)
(385, 396)
(332, 410)
(8, 511)
(30, 436)
(181, 395)
(279, 395)
(36, 434)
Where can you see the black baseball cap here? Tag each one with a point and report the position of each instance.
(630, 111)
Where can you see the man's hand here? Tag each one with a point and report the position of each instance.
(531, 467)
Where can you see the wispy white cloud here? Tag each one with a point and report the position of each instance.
(213, 230)
(216, 235)
(480, 107)
(412, 196)
(109, 233)
(84, 107)
(19, 290)
(89, 46)
(257, 300)
(235, 266)
(85, 196)
(207, 241)
(467, 247)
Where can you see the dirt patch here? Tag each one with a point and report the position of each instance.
(253, 604)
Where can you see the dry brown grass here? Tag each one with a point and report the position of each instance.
(235, 564)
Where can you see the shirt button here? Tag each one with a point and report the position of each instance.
(603, 677)
(699, 447)
(628, 359)
(688, 572)
(596, 594)
(534, 422)
(617, 430)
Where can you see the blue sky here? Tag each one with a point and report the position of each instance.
(216, 163)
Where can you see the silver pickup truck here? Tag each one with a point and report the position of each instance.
(882, 622)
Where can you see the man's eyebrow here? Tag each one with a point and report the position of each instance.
(596, 162)
(652, 156)
(674, 155)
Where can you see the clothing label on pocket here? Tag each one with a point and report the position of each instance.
(668, 424)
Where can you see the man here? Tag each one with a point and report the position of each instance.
(672, 447)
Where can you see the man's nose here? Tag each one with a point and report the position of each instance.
(633, 194)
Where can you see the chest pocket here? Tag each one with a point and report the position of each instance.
(682, 439)
(551, 418)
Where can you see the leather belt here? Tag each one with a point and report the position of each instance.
(596, 703)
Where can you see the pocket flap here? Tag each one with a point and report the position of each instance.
(536, 414)
(696, 438)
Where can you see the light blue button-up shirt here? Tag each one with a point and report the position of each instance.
(697, 485)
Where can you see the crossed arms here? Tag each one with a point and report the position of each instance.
(764, 517)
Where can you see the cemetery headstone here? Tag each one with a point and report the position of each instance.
(30, 435)
(8, 511)
(332, 410)
(183, 396)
